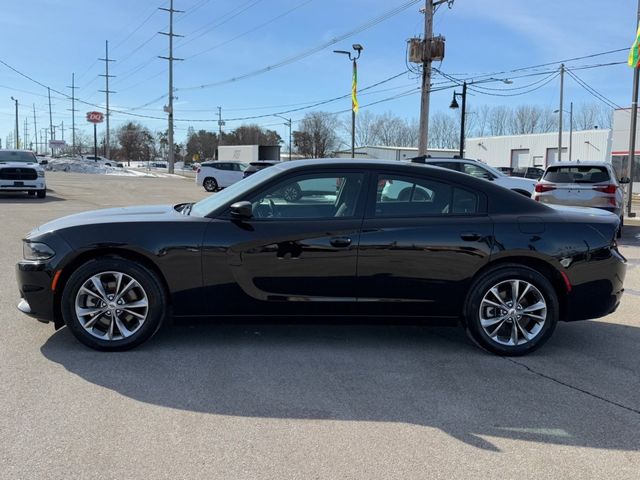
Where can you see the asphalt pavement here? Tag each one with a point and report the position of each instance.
(217, 400)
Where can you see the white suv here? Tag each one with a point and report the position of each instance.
(525, 186)
(20, 172)
(216, 175)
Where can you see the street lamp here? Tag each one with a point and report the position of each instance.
(288, 124)
(463, 114)
(570, 112)
(17, 140)
(354, 86)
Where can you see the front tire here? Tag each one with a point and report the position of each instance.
(511, 310)
(113, 304)
(210, 184)
(42, 193)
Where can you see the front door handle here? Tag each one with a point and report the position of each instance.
(470, 236)
(340, 242)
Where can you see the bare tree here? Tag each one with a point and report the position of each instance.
(317, 136)
(444, 131)
(499, 121)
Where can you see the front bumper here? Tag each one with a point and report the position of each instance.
(22, 185)
(36, 298)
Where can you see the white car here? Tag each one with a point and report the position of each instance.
(219, 174)
(20, 172)
(525, 186)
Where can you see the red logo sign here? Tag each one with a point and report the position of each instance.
(95, 117)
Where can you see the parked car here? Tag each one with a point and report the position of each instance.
(583, 184)
(534, 173)
(20, 172)
(505, 266)
(259, 165)
(103, 161)
(484, 171)
(219, 174)
(505, 170)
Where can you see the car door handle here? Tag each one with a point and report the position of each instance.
(340, 242)
(470, 236)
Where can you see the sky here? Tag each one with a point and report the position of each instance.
(260, 57)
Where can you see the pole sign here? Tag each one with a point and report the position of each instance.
(95, 117)
(57, 143)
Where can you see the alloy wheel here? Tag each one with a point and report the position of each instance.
(513, 312)
(111, 305)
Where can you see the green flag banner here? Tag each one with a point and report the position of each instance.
(354, 89)
(634, 53)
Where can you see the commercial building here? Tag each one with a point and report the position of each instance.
(394, 153)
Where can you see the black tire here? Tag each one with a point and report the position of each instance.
(210, 184)
(619, 232)
(523, 192)
(42, 193)
(31, 193)
(292, 193)
(150, 285)
(483, 285)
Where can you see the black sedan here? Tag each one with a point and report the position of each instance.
(392, 239)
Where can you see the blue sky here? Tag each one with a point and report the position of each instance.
(50, 39)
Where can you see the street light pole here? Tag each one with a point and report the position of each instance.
(17, 139)
(570, 130)
(354, 106)
(288, 120)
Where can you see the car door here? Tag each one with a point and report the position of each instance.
(421, 243)
(292, 256)
(224, 174)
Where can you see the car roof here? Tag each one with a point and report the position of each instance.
(580, 164)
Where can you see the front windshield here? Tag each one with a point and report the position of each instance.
(217, 200)
(19, 157)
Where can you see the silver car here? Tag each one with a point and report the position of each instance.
(582, 184)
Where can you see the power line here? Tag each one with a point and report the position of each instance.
(299, 56)
(593, 91)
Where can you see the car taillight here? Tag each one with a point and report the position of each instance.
(606, 188)
(544, 187)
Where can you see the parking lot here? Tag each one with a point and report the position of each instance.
(217, 400)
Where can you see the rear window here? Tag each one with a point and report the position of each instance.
(22, 157)
(577, 174)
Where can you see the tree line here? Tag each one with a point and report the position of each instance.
(321, 134)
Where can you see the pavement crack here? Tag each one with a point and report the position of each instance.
(573, 387)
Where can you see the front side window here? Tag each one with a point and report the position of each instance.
(476, 171)
(310, 196)
(400, 196)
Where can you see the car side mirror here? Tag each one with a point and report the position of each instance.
(625, 180)
(242, 210)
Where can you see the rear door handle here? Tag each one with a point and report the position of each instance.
(470, 236)
(340, 242)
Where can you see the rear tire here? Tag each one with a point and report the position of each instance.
(619, 232)
(511, 310)
(113, 304)
(210, 184)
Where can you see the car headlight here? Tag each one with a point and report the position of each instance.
(36, 251)
(41, 173)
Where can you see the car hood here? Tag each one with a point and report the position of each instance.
(136, 214)
(20, 165)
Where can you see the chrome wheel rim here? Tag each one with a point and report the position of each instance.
(111, 305)
(513, 312)
(210, 184)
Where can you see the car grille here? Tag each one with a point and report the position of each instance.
(18, 174)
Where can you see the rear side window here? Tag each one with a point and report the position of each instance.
(577, 174)
(407, 196)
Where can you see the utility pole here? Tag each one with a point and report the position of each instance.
(50, 120)
(560, 112)
(73, 113)
(25, 136)
(106, 91)
(62, 128)
(426, 79)
(288, 124)
(16, 141)
(35, 128)
(570, 131)
(170, 59)
(633, 131)
(221, 123)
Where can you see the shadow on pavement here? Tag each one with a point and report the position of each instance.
(430, 376)
(23, 198)
(630, 236)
